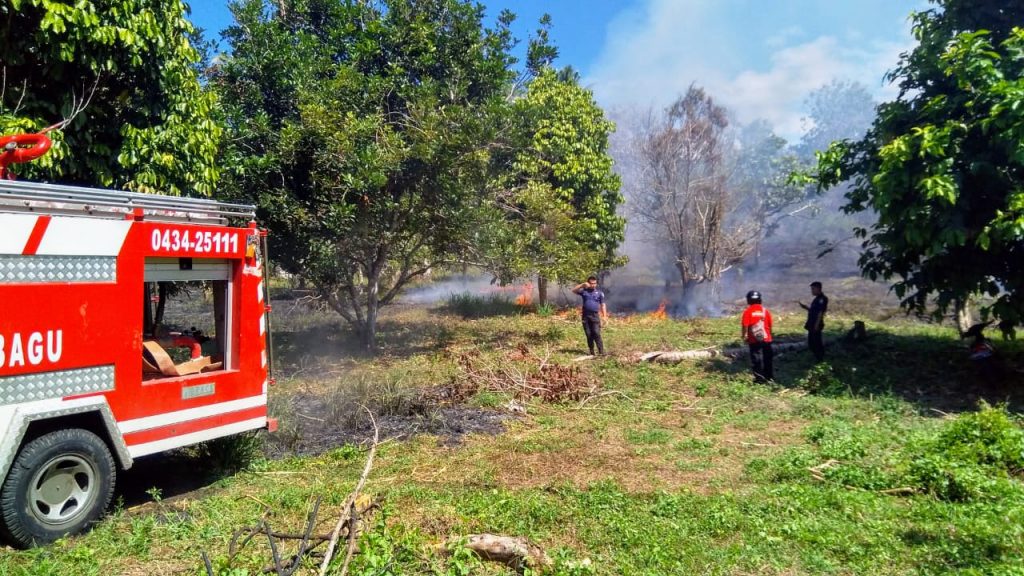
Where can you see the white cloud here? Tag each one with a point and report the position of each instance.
(784, 37)
(652, 55)
(778, 93)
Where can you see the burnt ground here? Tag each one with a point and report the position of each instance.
(313, 427)
(317, 426)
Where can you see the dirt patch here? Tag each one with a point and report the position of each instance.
(316, 425)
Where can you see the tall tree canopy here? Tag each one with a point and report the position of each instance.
(839, 110)
(123, 73)
(558, 213)
(943, 164)
(363, 132)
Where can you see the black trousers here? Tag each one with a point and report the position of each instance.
(592, 328)
(816, 344)
(761, 354)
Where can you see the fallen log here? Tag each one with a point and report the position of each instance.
(677, 356)
(515, 552)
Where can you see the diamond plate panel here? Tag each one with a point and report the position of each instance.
(37, 269)
(46, 385)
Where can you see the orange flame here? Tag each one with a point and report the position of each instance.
(525, 297)
(660, 314)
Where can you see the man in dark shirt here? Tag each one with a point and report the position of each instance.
(816, 321)
(594, 313)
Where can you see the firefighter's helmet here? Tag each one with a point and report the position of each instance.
(753, 297)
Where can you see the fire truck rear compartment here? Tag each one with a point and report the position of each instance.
(187, 311)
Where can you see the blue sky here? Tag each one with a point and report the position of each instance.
(759, 57)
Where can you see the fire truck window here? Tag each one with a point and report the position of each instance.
(185, 322)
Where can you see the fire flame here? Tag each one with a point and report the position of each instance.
(660, 313)
(525, 297)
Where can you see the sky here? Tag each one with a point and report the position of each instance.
(760, 58)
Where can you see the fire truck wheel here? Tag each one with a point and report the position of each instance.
(59, 484)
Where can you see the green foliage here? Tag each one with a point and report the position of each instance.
(229, 454)
(942, 166)
(363, 131)
(461, 562)
(972, 458)
(470, 305)
(989, 437)
(839, 110)
(821, 379)
(557, 215)
(977, 456)
(545, 310)
(762, 173)
(382, 551)
(122, 74)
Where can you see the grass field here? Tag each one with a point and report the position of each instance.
(878, 462)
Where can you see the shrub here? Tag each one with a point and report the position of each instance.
(989, 437)
(948, 478)
(545, 310)
(229, 454)
(971, 458)
(470, 305)
(821, 379)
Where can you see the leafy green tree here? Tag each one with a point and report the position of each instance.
(559, 219)
(763, 166)
(839, 110)
(364, 133)
(119, 76)
(943, 165)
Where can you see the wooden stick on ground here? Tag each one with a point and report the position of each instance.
(514, 552)
(349, 513)
(677, 356)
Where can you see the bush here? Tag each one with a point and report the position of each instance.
(821, 379)
(470, 305)
(973, 457)
(387, 394)
(229, 454)
(948, 478)
(989, 437)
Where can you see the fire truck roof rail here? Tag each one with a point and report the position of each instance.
(100, 203)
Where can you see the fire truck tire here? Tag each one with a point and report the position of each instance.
(60, 484)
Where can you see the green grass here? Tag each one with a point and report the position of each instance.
(877, 463)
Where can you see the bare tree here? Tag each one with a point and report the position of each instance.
(682, 195)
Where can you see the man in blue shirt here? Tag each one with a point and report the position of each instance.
(594, 313)
(816, 321)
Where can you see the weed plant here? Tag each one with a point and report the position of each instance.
(468, 305)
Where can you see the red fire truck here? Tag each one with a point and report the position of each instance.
(92, 373)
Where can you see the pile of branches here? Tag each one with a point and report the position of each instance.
(542, 379)
(356, 513)
(309, 552)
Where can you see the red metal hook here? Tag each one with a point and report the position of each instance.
(22, 148)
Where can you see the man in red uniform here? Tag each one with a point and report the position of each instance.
(757, 332)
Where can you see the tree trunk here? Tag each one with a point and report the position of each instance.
(372, 307)
(369, 331)
(147, 308)
(160, 305)
(542, 290)
(964, 320)
(689, 299)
